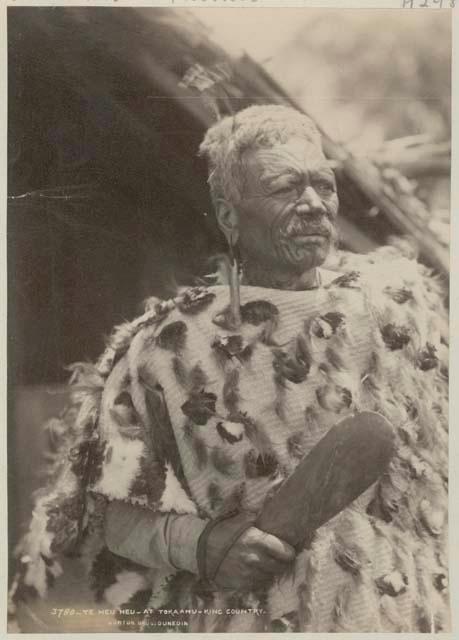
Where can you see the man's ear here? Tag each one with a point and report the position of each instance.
(228, 220)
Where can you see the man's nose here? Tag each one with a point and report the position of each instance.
(309, 202)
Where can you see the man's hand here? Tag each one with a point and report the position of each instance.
(252, 561)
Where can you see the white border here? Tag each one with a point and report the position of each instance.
(454, 384)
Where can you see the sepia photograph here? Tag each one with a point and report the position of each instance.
(228, 246)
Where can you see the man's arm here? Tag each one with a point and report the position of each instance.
(153, 539)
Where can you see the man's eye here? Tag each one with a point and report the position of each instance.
(324, 188)
(284, 189)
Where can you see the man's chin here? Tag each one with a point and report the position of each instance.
(308, 254)
(311, 239)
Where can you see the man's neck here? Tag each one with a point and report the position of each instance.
(257, 274)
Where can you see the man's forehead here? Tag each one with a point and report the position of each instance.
(296, 154)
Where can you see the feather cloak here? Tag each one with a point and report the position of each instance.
(182, 413)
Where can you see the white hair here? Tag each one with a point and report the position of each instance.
(258, 126)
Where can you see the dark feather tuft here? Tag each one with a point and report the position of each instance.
(400, 296)
(64, 516)
(258, 311)
(200, 406)
(232, 347)
(267, 335)
(202, 454)
(126, 418)
(87, 458)
(222, 461)
(335, 319)
(188, 428)
(441, 582)
(180, 372)
(231, 391)
(395, 337)
(348, 560)
(293, 367)
(173, 336)
(385, 504)
(279, 401)
(195, 300)
(411, 408)
(347, 280)
(257, 465)
(327, 325)
(426, 358)
(198, 378)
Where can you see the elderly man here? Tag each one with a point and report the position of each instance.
(200, 410)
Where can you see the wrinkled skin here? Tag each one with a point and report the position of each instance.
(287, 211)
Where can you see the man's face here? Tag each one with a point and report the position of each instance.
(288, 206)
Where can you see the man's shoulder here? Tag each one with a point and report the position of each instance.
(388, 284)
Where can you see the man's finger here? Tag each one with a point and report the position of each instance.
(276, 548)
(273, 566)
(264, 563)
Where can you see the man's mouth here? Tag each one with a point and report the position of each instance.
(299, 234)
(308, 234)
(297, 230)
(308, 238)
